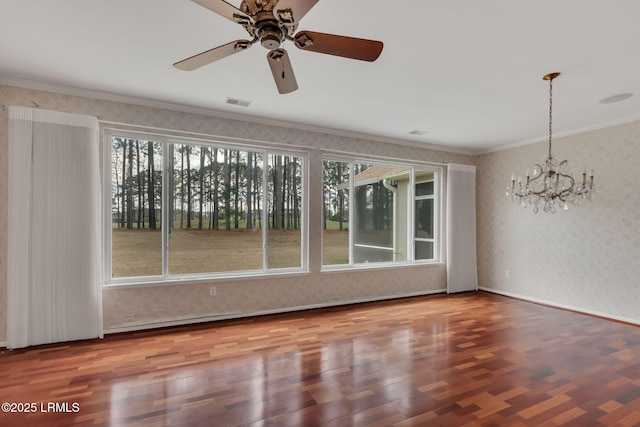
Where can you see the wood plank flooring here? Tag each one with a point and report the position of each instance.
(473, 359)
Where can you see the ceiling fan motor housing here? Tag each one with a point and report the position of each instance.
(266, 27)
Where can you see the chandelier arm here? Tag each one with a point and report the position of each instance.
(570, 178)
(536, 178)
(533, 181)
(537, 167)
(567, 191)
(538, 193)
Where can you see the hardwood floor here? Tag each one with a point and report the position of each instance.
(474, 359)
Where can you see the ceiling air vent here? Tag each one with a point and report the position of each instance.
(240, 102)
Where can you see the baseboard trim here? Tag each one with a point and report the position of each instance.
(230, 316)
(563, 306)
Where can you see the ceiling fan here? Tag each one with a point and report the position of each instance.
(272, 22)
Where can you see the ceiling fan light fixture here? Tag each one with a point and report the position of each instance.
(270, 42)
(271, 36)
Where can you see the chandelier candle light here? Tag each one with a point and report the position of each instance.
(550, 184)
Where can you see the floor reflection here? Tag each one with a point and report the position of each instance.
(476, 359)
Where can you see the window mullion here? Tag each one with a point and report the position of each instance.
(352, 187)
(167, 201)
(265, 211)
(108, 191)
(411, 230)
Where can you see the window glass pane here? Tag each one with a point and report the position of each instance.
(285, 211)
(136, 207)
(424, 188)
(379, 215)
(216, 210)
(424, 250)
(424, 218)
(335, 227)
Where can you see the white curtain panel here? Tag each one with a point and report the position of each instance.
(462, 272)
(55, 249)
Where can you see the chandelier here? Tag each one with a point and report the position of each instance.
(550, 185)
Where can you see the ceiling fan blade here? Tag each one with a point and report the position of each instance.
(204, 58)
(292, 11)
(282, 70)
(347, 47)
(225, 9)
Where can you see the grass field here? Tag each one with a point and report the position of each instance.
(138, 252)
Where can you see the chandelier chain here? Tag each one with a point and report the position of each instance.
(550, 114)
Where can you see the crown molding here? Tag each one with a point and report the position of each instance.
(628, 119)
(152, 103)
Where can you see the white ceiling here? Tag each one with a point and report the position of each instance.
(467, 72)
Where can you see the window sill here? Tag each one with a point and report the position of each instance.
(193, 280)
(376, 266)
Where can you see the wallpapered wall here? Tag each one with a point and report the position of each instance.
(587, 257)
(133, 307)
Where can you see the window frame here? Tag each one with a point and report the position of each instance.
(433, 197)
(166, 277)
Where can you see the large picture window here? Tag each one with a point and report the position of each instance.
(180, 208)
(376, 213)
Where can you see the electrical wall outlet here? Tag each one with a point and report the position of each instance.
(507, 274)
(212, 291)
